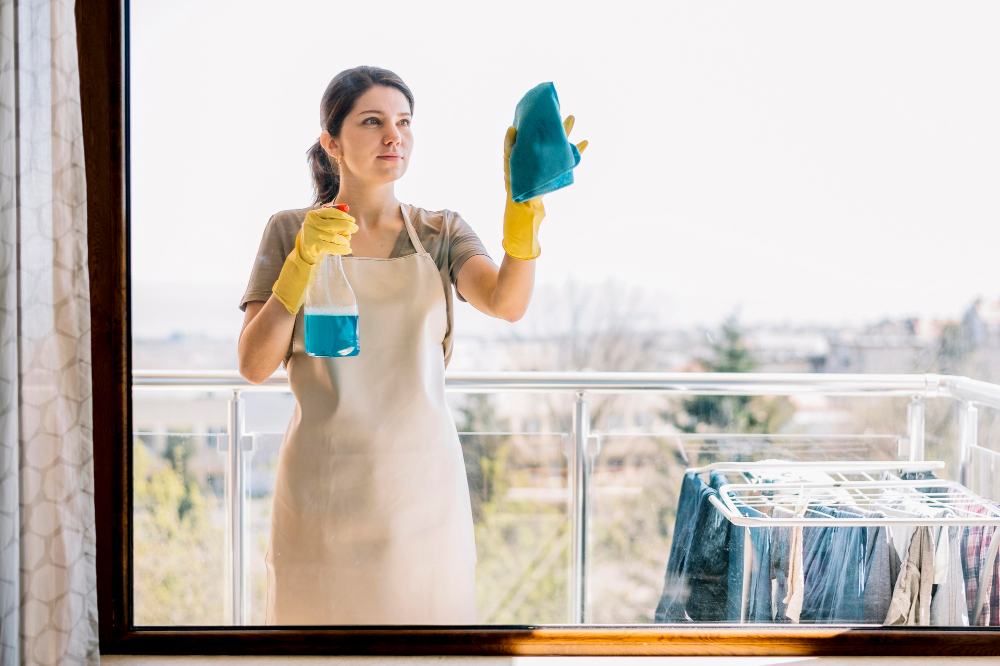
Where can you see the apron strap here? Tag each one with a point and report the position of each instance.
(417, 245)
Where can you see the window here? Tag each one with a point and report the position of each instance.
(188, 439)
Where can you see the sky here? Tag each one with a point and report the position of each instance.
(820, 162)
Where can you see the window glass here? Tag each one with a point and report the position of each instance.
(781, 188)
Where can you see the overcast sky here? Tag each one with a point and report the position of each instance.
(804, 162)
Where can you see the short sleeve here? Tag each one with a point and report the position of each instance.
(278, 240)
(464, 244)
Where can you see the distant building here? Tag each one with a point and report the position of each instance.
(981, 324)
(891, 346)
(785, 349)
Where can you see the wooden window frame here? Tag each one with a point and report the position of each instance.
(102, 40)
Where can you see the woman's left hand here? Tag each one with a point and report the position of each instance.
(521, 220)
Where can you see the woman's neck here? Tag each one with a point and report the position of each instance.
(369, 206)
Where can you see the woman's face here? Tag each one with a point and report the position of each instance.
(375, 139)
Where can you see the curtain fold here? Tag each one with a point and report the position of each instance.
(48, 598)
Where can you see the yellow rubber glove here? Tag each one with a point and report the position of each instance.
(521, 220)
(324, 231)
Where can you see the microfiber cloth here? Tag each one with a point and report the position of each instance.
(542, 158)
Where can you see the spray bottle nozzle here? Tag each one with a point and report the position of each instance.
(343, 208)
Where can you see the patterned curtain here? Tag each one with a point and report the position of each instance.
(48, 597)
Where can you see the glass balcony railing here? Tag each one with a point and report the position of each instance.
(573, 504)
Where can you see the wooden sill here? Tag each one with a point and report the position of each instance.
(568, 641)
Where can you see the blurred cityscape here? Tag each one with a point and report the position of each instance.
(610, 332)
(514, 444)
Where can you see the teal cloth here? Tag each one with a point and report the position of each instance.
(542, 159)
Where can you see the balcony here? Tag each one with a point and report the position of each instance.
(574, 476)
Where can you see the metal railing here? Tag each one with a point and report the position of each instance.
(970, 393)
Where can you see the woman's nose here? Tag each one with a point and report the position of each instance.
(392, 135)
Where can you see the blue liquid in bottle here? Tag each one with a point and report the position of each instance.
(331, 311)
(331, 334)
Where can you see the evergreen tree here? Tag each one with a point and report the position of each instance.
(741, 413)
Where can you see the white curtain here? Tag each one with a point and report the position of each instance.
(48, 597)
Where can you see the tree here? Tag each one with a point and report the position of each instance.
(485, 454)
(579, 327)
(178, 552)
(740, 414)
(520, 544)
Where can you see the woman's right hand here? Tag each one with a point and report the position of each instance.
(324, 231)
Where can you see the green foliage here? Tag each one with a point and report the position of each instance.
(180, 449)
(743, 414)
(732, 355)
(485, 455)
(521, 545)
(178, 552)
(633, 532)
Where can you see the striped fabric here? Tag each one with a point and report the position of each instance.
(975, 546)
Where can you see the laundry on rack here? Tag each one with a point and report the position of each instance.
(911, 597)
(697, 576)
(787, 567)
(975, 541)
(916, 476)
(878, 583)
(776, 584)
(834, 560)
(948, 605)
(891, 573)
(780, 474)
(974, 545)
(899, 536)
(760, 589)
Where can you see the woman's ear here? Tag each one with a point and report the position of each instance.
(330, 145)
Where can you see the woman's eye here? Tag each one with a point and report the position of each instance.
(372, 118)
(405, 121)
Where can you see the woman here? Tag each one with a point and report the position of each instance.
(371, 522)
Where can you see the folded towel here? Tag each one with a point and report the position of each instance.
(542, 158)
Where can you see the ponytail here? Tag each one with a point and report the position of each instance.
(338, 100)
(325, 176)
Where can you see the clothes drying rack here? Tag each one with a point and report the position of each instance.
(851, 485)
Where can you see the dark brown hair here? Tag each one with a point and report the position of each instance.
(338, 100)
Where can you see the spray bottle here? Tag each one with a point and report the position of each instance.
(331, 311)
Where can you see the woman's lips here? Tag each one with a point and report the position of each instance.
(391, 158)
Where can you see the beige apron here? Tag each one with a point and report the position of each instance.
(371, 522)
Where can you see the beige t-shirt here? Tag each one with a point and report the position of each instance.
(446, 237)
